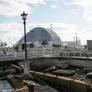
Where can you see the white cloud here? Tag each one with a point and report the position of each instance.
(55, 25)
(85, 35)
(11, 32)
(15, 7)
(53, 6)
(14, 31)
(85, 4)
(34, 2)
(67, 31)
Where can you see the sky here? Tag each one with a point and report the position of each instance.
(67, 17)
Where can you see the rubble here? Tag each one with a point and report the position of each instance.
(87, 70)
(89, 74)
(50, 69)
(62, 66)
(64, 72)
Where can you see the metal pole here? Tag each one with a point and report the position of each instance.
(26, 63)
(25, 40)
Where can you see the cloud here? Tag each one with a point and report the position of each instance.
(14, 31)
(85, 35)
(34, 2)
(85, 4)
(11, 32)
(67, 31)
(54, 25)
(15, 7)
(53, 6)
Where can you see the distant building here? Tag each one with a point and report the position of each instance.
(89, 45)
(84, 47)
(38, 34)
(72, 44)
(69, 44)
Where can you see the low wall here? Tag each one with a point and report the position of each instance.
(63, 83)
(81, 63)
(43, 63)
(47, 62)
(24, 89)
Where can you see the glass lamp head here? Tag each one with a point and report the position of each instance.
(24, 15)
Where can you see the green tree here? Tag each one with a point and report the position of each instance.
(56, 45)
(45, 42)
(31, 45)
(53, 45)
(3, 44)
(66, 48)
(16, 48)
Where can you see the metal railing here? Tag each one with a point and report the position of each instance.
(30, 53)
(41, 53)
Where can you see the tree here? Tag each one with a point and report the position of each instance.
(45, 42)
(31, 45)
(56, 45)
(66, 48)
(53, 45)
(16, 48)
(3, 44)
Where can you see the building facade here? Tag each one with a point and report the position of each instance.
(89, 45)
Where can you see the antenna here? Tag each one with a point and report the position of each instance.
(51, 26)
(76, 37)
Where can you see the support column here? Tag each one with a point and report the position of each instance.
(26, 67)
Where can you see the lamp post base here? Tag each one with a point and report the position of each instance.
(26, 67)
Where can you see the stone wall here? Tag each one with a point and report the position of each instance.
(63, 83)
(80, 63)
(43, 63)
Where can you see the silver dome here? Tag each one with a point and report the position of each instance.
(39, 34)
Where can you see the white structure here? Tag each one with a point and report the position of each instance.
(72, 44)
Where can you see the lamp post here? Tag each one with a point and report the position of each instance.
(24, 17)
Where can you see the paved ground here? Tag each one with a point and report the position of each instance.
(45, 88)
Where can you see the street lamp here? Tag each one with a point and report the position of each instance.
(24, 17)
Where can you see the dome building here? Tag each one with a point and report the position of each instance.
(38, 34)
